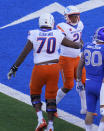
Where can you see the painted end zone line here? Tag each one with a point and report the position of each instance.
(56, 7)
(26, 99)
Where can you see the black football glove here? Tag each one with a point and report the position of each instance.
(12, 72)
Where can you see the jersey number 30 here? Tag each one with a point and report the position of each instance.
(94, 58)
(51, 44)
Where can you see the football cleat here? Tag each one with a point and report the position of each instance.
(41, 125)
(56, 114)
(50, 129)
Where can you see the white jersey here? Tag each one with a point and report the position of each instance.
(46, 44)
(72, 33)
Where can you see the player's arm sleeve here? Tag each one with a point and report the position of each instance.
(31, 35)
(68, 43)
(24, 53)
(80, 66)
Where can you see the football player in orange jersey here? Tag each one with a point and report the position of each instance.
(70, 57)
(45, 43)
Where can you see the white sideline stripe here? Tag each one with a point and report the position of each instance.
(50, 9)
(26, 99)
(56, 7)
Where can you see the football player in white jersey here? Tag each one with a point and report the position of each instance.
(45, 43)
(69, 58)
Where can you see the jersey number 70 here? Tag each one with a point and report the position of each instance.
(51, 44)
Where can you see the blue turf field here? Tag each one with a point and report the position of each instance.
(13, 39)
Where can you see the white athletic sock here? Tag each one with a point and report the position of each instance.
(50, 125)
(39, 115)
(83, 100)
(101, 126)
(60, 95)
(88, 127)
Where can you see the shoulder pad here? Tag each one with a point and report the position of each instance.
(62, 27)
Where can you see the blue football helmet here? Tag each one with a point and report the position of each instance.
(99, 35)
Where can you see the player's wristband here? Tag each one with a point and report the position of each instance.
(14, 68)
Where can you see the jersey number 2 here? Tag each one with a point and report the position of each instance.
(76, 37)
(51, 44)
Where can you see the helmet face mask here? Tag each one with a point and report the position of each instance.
(72, 15)
(99, 35)
(73, 19)
(46, 20)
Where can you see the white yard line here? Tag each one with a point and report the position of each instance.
(90, 5)
(26, 99)
(56, 7)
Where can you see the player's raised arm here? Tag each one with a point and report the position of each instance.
(71, 44)
(20, 59)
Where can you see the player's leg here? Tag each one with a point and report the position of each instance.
(36, 102)
(89, 121)
(91, 105)
(50, 94)
(36, 84)
(83, 102)
(51, 109)
(101, 125)
(67, 72)
(82, 93)
(92, 95)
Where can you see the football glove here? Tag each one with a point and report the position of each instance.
(79, 86)
(12, 72)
